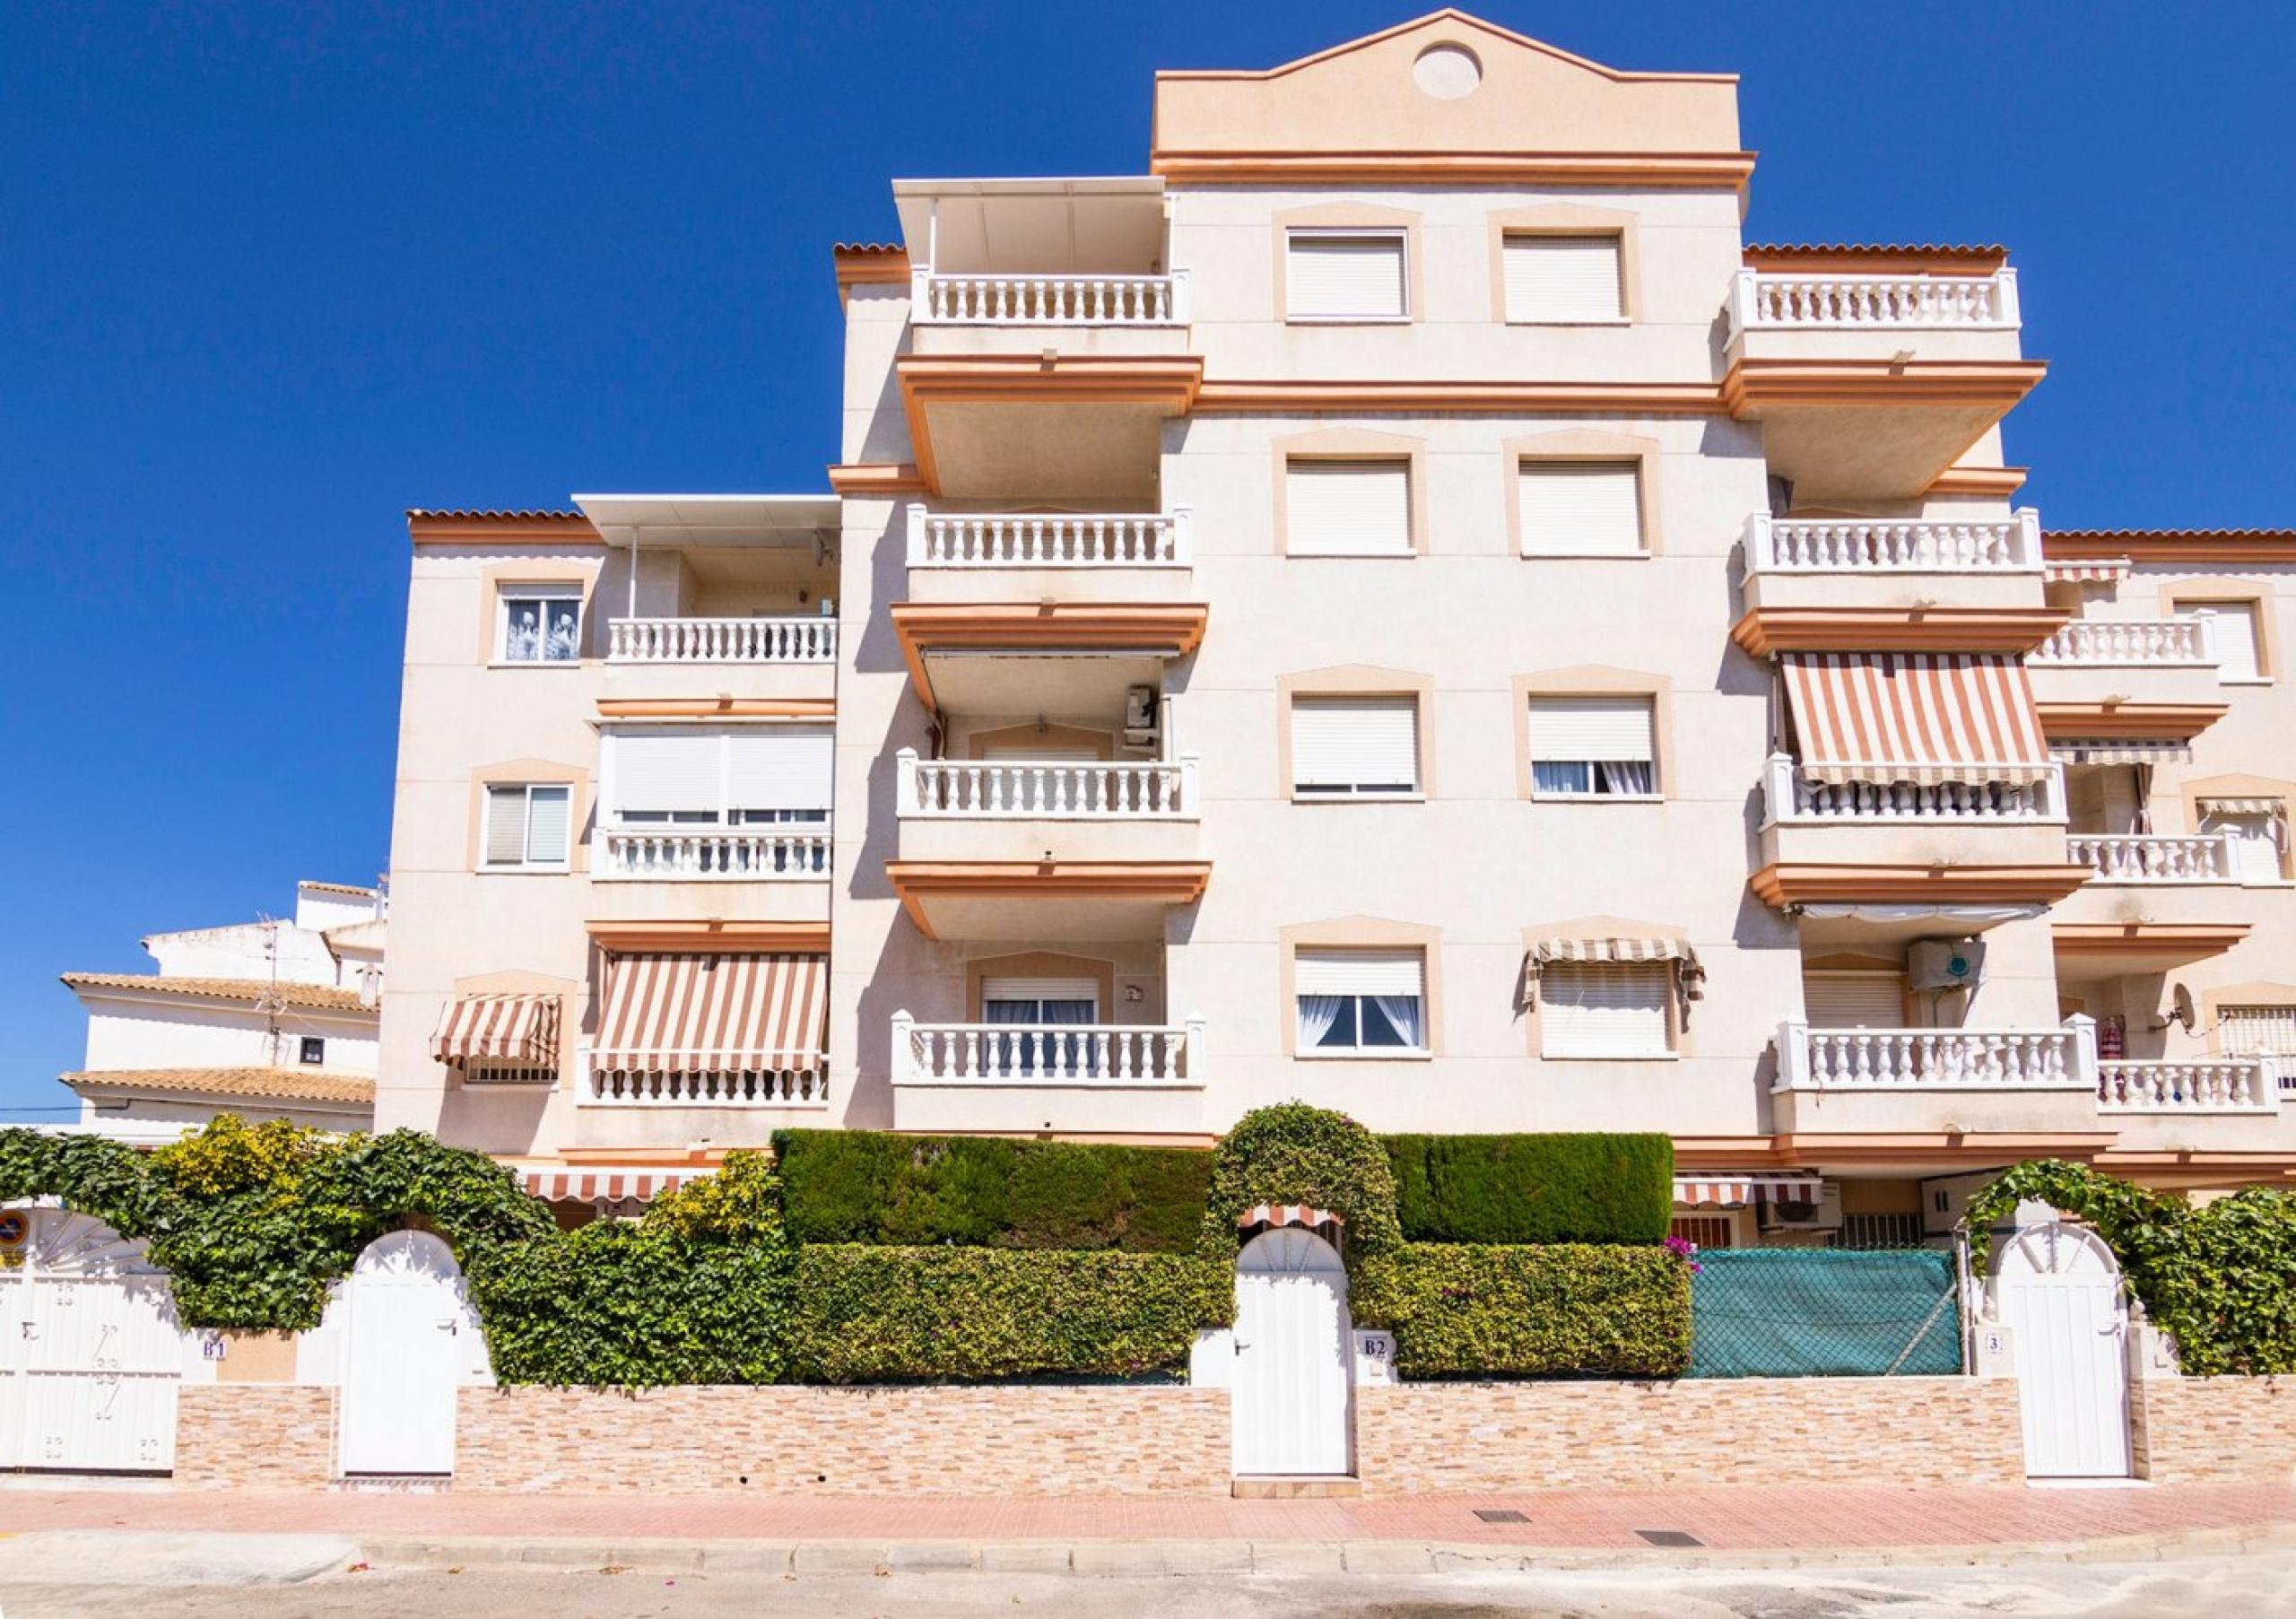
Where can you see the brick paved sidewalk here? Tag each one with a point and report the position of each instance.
(1770, 1518)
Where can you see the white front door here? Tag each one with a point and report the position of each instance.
(1290, 1406)
(87, 1375)
(409, 1337)
(2057, 1289)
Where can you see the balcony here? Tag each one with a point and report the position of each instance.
(1919, 1080)
(954, 298)
(1075, 556)
(2119, 858)
(1113, 1078)
(2187, 1087)
(739, 854)
(722, 640)
(2106, 661)
(648, 1080)
(1826, 311)
(1872, 821)
(1893, 563)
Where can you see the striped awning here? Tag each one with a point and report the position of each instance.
(593, 1183)
(2241, 807)
(1918, 716)
(708, 1014)
(519, 1029)
(1731, 1190)
(2122, 750)
(1285, 1214)
(2092, 570)
(1691, 979)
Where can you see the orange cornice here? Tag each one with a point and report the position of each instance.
(500, 527)
(1507, 397)
(1711, 1153)
(1997, 480)
(2193, 941)
(1669, 170)
(1170, 381)
(1765, 631)
(1992, 385)
(1891, 259)
(864, 263)
(745, 935)
(1782, 884)
(2225, 547)
(2171, 1167)
(716, 708)
(2077, 721)
(1153, 882)
(1162, 628)
(876, 478)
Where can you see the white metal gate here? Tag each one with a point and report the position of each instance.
(2057, 1289)
(92, 1355)
(1290, 1410)
(410, 1339)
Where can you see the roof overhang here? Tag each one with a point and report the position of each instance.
(1111, 222)
(499, 528)
(1865, 259)
(985, 415)
(1784, 885)
(930, 632)
(2172, 721)
(1874, 428)
(1085, 900)
(2142, 947)
(722, 707)
(1765, 631)
(712, 520)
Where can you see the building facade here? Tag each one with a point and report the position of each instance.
(268, 1019)
(1399, 606)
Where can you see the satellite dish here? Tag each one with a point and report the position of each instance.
(2181, 1009)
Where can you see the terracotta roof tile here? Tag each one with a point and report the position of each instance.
(468, 514)
(1932, 249)
(286, 1085)
(2098, 535)
(223, 989)
(867, 247)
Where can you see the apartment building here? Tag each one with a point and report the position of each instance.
(1400, 605)
(271, 1018)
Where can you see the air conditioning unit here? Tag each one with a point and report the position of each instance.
(1946, 964)
(1822, 1215)
(1140, 706)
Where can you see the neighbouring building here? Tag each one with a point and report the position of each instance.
(268, 1019)
(1399, 604)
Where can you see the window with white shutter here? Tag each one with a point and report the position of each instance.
(1562, 279)
(1347, 508)
(1854, 1000)
(1354, 745)
(2256, 843)
(2238, 658)
(709, 776)
(1593, 747)
(1606, 1009)
(1360, 1002)
(2258, 1031)
(1344, 275)
(527, 826)
(1580, 507)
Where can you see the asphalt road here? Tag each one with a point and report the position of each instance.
(2228, 1587)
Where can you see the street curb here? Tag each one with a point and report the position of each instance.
(1154, 1558)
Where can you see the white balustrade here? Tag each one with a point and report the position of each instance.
(952, 299)
(2185, 642)
(722, 640)
(2209, 1084)
(2011, 544)
(1047, 539)
(1773, 300)
(1937, 1059)
(2153, 857)
(1113, 1055)
(1045, 789)
(711, 1079)
(1793, 794)
(738, 854)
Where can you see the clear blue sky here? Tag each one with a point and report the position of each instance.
(270, 273)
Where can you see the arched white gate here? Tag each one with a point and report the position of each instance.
(90, 1351)
(410, 1340)
(2057, 1289)
(1291, 1400)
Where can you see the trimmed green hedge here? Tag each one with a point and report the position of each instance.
(1474, 1309)
(871, 1186)
(1292, 1152)
(872, 1314)
(1585, 1187)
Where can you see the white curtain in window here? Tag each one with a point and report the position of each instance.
(1403, 1014)
(1318, 1013)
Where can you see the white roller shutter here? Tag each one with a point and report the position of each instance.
(1347, 508)
(1040, 989)
(2259, 1030)
(668, 769)
(1359, 972)
(2256, 849)
(1855, 1000)
(1355, 742)
(1338, 276)
(2235, 638)
(1562, 278)
(1580, 508)
(547, 810)
(506, 825)
(1605, 728)
(1605, 1008)
(777, 767)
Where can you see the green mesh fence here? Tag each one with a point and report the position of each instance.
(1823, 1312)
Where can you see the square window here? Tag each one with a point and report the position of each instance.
(1347, 508)
(2239, 651)
(1606, 1009)
(1344, 275)
(1369, 1003)
(313, 1049)
(1593, 747)
(1580, 507)
(539, 624)
(1354, 747)
(526, 827)
(1562, 279)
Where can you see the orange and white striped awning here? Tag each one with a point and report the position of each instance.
(1693, 1191)
(2090, 571)
(1920, 716)
(1285, 1214)
(594, 1183)
(518, 1030)
(703, 1014)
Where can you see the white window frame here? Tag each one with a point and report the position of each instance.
(526, 791)
(1663, 970)
(509, 593)
(723, 813)
(1398, 234)
(1356, 792)
(1592, 795)
(1355, 1011)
